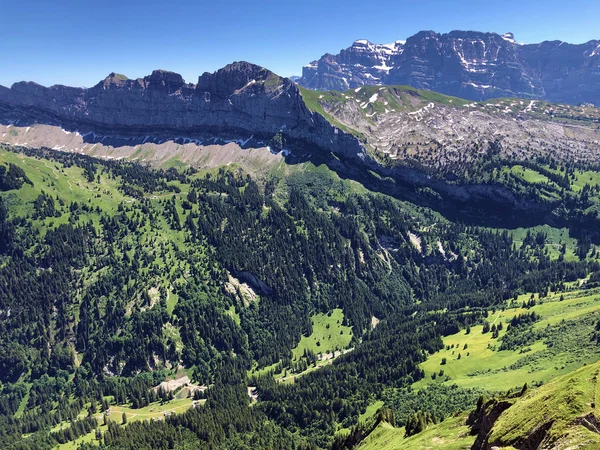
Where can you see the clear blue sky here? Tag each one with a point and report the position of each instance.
(78, 42)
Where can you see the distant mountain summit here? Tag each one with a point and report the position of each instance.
(363, 63)
(467, 64)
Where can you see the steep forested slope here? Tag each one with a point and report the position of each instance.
(116, 276)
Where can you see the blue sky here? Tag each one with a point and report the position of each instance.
(78, 42)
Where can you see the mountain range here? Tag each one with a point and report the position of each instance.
(468, 64)
(242, 99)
(420, 138)
(244, 262)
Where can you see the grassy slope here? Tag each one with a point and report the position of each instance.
(67, 183)
(528, 175)
(554, 240)
(374, 99)
(583, 178)
(559, 407)
(150, 412)
(371, 410)
(489, 368)
(559, 403)
(314, 101)
(90, 437)
(23, 404)
(452, 434)
(331, 341)
(324, 339)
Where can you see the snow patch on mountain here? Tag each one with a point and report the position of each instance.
(509, 37)
(468, 64)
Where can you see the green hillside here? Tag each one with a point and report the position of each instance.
(565, 409)
(558, 342)
(562, 414)
(297, 303)
(452, 434)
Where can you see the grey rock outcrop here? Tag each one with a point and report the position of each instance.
(239, 101)
(466, 64)
(363, 63)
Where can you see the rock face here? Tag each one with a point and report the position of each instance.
(466, 64)
(240, 100)
(482, 420)
(361, 64)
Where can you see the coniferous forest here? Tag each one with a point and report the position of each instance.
(116, 277)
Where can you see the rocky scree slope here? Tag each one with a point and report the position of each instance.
(241, 100)
(467, 64)
(405, 126)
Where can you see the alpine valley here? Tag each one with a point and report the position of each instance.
(400, 250)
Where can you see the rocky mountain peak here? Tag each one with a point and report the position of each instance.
(361, 43)
(115, 80)
(158, 80)
(164, 80)
(424, 34)
(509, 37)
(27, 86)
(362, 63)
(234, 77)
(469, 64)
